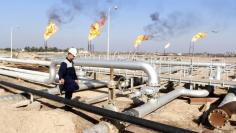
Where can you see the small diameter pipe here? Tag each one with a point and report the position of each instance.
(83, 84)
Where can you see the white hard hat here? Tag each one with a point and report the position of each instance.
(73, 51)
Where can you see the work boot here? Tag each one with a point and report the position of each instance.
(67, 108)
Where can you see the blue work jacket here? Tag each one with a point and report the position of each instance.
(67, 72)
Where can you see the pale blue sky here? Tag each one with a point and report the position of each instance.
(186, 16)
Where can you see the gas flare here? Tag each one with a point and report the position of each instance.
(140, 39)
(50, 30)
(96, 27)
(167, 45)
(199, 35)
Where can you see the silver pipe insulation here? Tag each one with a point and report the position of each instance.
(185, 63)
(32, 75)
(218, 66)
(116, 64)
(230, 97)
(51, 64)
(25, 76)
(105, 70)
(147, 68)
(154, 104)
(26, 61)
(150, 106)
(24, 71)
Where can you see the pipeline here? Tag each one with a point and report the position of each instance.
(147, 68)
(219, 66)
(25, 76)
(24, 71)
(154, 104)
(185, 63)
(52, 68)
(100, 111)
(150, 106)
(27, 61)
(84, 84)
(220, 116)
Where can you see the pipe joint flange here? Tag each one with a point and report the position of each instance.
(153, 84)
(218, 118)
(149, 91)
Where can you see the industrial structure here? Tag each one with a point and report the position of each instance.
(142, 78)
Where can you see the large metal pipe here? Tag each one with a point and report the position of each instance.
(52, 67)
(185, 63)
(84, 84)
(147, 68)
(25, 76)
(154, 104)
(116, 64)
(221, 115)
(150, 106)
(24, 71)
(26, 61)
(100, 111)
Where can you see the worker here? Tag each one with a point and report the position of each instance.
(67, 76)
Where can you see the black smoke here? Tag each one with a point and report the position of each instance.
(67, 10)
(164, 27)
(60, 15)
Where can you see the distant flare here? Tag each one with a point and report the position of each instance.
(94, 31)
(140, 39)
(167, 45)
(199, 35)
(51, 29)
(96, 27)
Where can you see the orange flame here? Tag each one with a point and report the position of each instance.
(140, 39)
(96, 27)
(199, 35)
(50, 30)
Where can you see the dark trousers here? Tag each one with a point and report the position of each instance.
(68, 95)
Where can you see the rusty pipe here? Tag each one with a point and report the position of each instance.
(220, 116)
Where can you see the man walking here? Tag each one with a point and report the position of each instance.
(67, 76)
